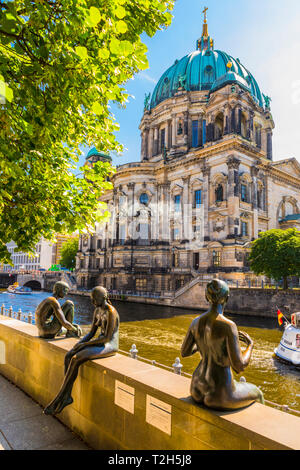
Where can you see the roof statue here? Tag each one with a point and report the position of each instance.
(267, 101)
(147, 101)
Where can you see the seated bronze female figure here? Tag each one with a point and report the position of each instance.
(216, 338)
(106, 344)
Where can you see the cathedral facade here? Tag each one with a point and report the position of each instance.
(205, 187)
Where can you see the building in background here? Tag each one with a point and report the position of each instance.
(57, 247)
(205, 187)
(42, 258)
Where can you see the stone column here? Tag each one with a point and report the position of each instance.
(146, 148)
(142, 145)
(165, 212)
(186, 212)
(264, 140)
(174, 130)
(233, 121)
(254, 173)
(151, 138)
(186, 128)
(239, 121)
(206, 202)
(170, 133)
(154, 206)
(226, 124)
(269, 145)
(233, 165)
(155, 141)
(251, 126)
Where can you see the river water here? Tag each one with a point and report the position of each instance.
(158, 333)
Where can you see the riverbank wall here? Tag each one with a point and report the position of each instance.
(122, 403)
(242, 301)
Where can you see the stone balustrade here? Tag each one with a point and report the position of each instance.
(155, 411)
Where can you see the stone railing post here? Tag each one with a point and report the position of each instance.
(19, 314)
(10, 312)
(2, 309)
(177, 366)
(133, 352)
(30, 317)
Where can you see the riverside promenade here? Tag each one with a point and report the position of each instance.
(23, 426)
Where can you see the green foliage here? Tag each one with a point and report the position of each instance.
(63, 62)
(68, 253)
(276, 254)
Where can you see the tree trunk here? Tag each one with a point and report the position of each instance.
(285, 283)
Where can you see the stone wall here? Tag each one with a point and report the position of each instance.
(98, 413)
(244, 301)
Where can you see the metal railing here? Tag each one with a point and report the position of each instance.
(133, 353)
(19, 315)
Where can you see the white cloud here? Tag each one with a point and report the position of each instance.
(145, 76)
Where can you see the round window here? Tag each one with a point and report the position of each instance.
(144, 198)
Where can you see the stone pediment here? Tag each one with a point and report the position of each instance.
(290, 166)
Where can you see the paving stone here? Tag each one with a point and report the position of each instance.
(4, 445)
(23, 426)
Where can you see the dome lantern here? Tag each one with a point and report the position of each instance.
(205, 43)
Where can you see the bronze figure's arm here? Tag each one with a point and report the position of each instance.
(60, 315)
(239, 360)
(93, 330)
(189, 346)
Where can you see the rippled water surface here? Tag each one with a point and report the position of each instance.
(158, 333)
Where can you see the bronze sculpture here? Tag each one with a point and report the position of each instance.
(216, 338)
(50, 317)
(107, 344)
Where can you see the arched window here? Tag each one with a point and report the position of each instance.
(219, 193)
(289, 209)
(219, 126)
(257, 135)
(216, 258)
(208, 74)
(244, 123)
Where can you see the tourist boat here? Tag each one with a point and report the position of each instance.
(15, 289)
(11, 289)
(288, 349)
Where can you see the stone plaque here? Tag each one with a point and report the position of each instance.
(159, 414)
(124, 396)
(2, 353)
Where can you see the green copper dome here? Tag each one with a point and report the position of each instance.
(94, 153)
(205, 69)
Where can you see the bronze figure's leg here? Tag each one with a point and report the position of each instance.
(68, 309)
(51, 328)
(73, 361)
(243, 395)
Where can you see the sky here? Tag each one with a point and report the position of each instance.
(263, 34)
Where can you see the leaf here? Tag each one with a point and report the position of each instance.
(103, 53)
(95, 16)
(9, 94)
(82, 52)
(120, 12)
(121, 27)
(97, 108)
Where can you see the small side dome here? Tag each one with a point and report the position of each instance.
(93, 154)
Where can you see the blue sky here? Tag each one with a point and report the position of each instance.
(263, 34)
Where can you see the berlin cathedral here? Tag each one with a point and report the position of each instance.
(205, 187)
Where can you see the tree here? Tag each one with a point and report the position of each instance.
(63, 62)
(68, 253)
(276, 254)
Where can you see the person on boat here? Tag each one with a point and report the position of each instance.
(50, 317)
(216, 338)
(106, 318)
